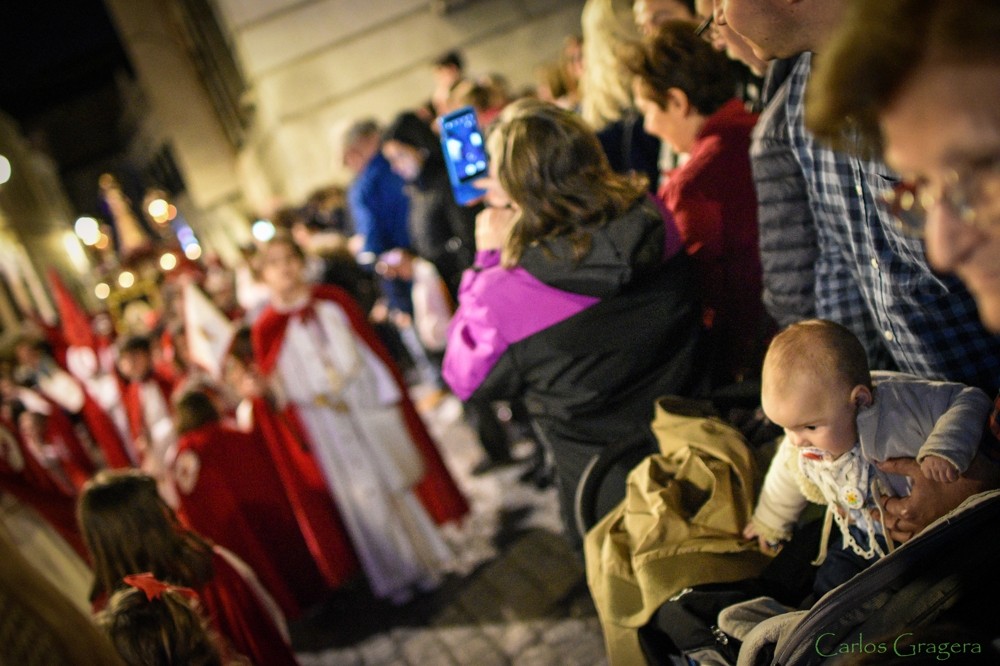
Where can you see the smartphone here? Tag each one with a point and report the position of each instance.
(464, 149)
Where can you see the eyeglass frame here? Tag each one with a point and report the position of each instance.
(910, 200)
(704, 25)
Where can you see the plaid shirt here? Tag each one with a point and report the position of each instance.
(875, 280)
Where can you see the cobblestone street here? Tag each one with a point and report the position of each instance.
(518, 597)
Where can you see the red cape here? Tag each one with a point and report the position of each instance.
(117, 451)
(436, 490)
(77, 329)
(311, 502)
(230, 491)
(237, 613)
(105, 434)
(59, 430)
(133, 408)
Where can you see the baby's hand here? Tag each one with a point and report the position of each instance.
(766, 547)
(939, 469)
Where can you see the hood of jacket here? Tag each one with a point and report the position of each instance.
(623, 251)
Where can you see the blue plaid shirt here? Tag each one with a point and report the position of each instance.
(874, 279)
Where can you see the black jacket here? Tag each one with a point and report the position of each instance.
(590, 379)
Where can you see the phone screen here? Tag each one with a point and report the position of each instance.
(464, 145)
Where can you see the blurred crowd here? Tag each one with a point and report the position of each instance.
(790, 203)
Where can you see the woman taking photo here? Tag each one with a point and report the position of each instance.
(581, 299)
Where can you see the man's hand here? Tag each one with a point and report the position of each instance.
(930, 499)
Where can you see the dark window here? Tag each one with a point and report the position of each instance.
(212, 55)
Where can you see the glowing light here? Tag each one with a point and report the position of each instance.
(159, 210)
(126, 279)
(171, 212)
(262, 230)
(4, 169)
(192, 251)
(103, 242)
(88, 230)
(75, 251)
(185, 236)
(168, 261)
(102, 291)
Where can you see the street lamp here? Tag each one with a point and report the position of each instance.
(88, 230)
(168, 261)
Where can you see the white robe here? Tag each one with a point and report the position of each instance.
(348, 403)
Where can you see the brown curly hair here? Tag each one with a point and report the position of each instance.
(552, 166)
(675, 57)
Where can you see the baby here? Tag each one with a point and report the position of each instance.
(839, 420)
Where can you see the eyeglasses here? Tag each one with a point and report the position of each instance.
(704, 25)
(972, 196)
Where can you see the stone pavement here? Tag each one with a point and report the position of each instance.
(518, 595)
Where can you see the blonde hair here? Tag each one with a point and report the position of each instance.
(552, 166)
(605, 86)
(820, 349)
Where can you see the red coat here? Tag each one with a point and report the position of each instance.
(714, 204)
(231, 492)
(437, 490)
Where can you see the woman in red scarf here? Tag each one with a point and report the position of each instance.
(686, 91)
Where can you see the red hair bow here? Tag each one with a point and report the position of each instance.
(154, 588)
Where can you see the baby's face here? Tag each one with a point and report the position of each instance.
(813, 414)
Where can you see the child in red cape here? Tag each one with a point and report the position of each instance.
(129, 529)
(343, 397)
(153, 623)
(230, 492)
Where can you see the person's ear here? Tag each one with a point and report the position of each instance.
(861, 396)
(678, 100)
